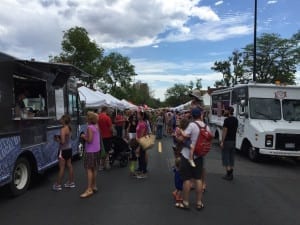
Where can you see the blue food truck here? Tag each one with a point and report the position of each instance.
(33, 97)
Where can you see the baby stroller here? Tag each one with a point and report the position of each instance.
(120, 151)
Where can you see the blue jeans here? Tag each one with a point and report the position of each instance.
(142, 161)
(159, 131)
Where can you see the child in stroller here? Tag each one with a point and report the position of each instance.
(120, 151)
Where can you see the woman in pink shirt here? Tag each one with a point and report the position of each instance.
(141, 130)
(92, 153)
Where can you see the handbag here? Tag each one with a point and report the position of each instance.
(147, 141)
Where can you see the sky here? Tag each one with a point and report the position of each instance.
(168, 41)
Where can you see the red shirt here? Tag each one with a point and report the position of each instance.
(105, 125)
(119, 120)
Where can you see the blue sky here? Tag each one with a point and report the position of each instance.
(168, 41)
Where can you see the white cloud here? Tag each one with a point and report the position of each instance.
(272, 2)
(37, 28)
(219, 3)
(161, 75)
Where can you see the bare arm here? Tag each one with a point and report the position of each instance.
(63, 133)
(89, 136)
(224, 133)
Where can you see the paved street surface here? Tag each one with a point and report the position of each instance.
(265, 193)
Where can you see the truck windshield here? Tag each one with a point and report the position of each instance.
(265, 109)
(291, 110)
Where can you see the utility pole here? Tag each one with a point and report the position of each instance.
(254, 44)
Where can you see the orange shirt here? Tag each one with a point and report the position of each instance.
(105, 125)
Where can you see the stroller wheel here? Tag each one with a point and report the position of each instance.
(123, 162)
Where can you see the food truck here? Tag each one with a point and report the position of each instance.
(268, 115)
(33, 97)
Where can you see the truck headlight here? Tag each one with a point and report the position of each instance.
(269, 140)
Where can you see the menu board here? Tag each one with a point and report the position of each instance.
(59, 103)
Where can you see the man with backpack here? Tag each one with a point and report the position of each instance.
(187, 172)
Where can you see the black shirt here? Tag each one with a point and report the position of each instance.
(231, 123)
(133, 121)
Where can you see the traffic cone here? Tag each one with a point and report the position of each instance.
(159, 146)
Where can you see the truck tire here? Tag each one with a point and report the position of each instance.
(21, 177)
(253, 154)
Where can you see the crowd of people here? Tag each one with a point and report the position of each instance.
(131, 125)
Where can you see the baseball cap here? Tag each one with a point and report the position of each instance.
(196, 112)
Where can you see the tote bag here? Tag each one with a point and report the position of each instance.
(147, 141)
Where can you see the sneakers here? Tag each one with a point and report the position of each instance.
(70, 185)
(228, 177)
(141, 176)
(192, 163)
(56, 187)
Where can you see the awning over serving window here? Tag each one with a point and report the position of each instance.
(61, 71)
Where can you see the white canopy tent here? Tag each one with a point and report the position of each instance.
(129, 105)
(182, 106)
(91, 98)
(96, 99)
(118, 103)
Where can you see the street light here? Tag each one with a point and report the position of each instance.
(254, 44)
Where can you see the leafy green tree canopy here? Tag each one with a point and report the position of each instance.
(276, 60)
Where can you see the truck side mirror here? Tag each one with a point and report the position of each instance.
(243, 102)
(245, 114)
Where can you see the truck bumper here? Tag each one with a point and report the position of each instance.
(279, 152)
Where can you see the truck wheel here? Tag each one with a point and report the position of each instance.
(20, 177)
(253, 154)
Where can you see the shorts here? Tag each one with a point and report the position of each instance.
(188, 172)
(228, 153)
(66, 154)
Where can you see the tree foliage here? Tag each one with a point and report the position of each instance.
(276, 60)
(178, 94)
(112, 73)
(80, 51)
(116, 74)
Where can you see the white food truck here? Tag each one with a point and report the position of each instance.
(268, 115)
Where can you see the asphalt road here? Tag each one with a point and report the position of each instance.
(265, 193)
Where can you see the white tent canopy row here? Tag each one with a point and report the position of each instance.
(96, 99)
(129, 105)
(206, 103)
(182, 106)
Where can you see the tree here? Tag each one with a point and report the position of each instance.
(276, 59)
(178, 94)
(224, 68)
(112, 73)
(116, 74)
(198, 84)
(80, 51)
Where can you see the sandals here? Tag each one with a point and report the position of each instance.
(199, 206)
(86, 194)
(181, 205)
